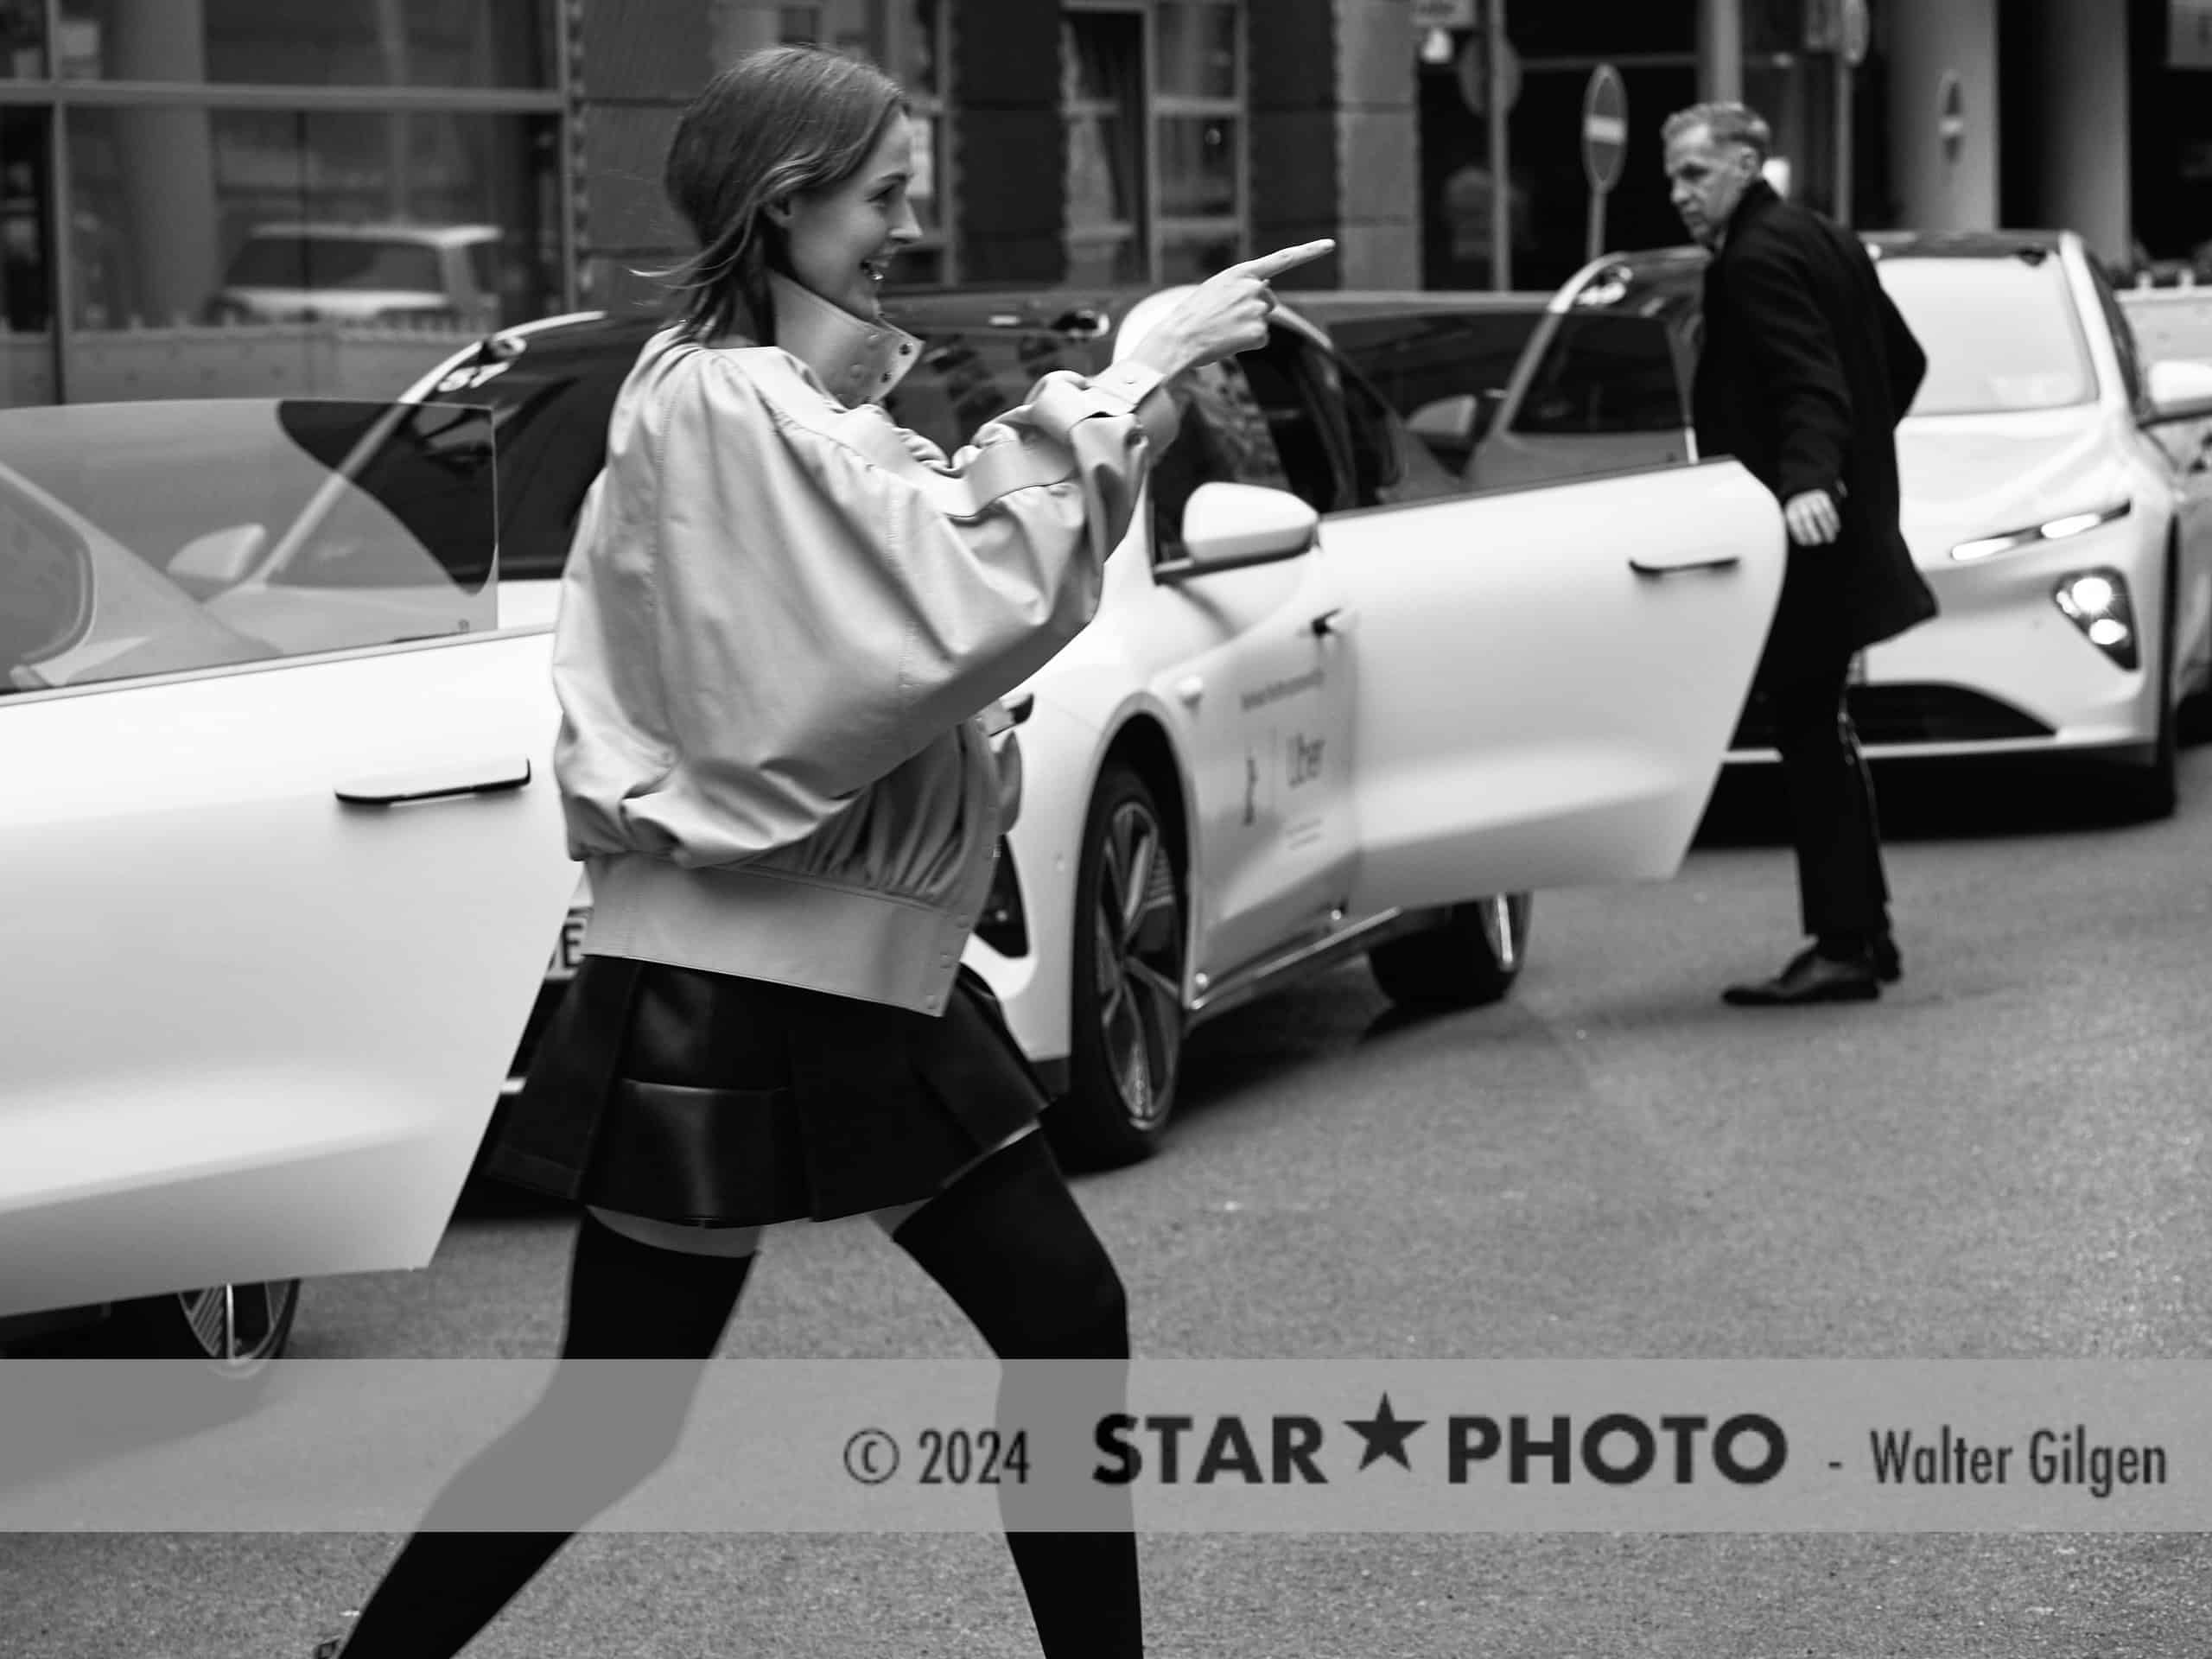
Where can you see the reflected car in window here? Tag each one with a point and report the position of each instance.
(1330, 706)
(363, 272)
(2057, 492)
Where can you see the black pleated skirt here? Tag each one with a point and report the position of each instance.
(716, 1100)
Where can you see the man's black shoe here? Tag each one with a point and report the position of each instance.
(1811, 977)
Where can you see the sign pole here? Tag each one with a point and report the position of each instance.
(1501, 169)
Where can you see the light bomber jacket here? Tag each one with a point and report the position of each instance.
(783, 620)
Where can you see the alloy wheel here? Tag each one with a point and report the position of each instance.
(239, 1327)
(1137, 963)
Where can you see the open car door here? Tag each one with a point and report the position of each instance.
(277, 903)
(1548, 677)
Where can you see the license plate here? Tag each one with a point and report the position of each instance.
(569, 951)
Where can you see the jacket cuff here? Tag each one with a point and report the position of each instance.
(1146, 389)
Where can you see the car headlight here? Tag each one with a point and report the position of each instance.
(2052, 529)
(2096, 602)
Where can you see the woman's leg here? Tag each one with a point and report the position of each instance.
(1007, 1243)
(583, 1446)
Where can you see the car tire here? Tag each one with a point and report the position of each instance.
(1126, 1001)
(237, 1328)
(2153, 790)
(1470, 958)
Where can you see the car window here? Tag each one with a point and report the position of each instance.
(2124, 342)
(1602, 373)
(1416, 360)
(1289, 377)
(212, 533)
(550, 407)
(2000, 334)
(967, 378)
(1221, 438)
(1389, 464)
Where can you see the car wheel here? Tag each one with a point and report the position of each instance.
(2153, 790)
(1126, 1040)
(1470, 958)
(237, 1327)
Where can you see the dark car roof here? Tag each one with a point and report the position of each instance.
(1363, 305)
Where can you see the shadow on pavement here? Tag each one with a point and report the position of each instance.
(1940, 800)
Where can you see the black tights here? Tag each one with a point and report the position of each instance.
(1006, 1241)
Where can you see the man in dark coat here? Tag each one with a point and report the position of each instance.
(1805, 370)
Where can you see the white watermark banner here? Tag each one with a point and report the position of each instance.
(1170, 1446)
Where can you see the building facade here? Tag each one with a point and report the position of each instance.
(248, 197)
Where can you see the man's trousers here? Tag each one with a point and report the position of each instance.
(1839, 882)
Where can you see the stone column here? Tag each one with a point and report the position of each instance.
(166, 159)
(1336, 138)
(1720, 51)
(2079, 163)
(1942, 183)
(640, 62)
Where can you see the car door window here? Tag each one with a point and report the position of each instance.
(1222, 437)
(1604, 375)
(2123, 338)
(1390, 467)
(1288, 377)
(207, 534)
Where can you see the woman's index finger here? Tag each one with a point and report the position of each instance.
(1268, 266)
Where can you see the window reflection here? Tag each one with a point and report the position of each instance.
(328, 42)
(245, 252)
(22, 39)
(26, 260)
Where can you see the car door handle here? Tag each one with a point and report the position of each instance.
(1340, 622)
(437, 782)
(1674, 567)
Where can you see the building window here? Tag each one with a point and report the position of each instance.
(1153, 95)
(252, 198)
(23, 40)
(485, 43)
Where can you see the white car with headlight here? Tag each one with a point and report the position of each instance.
(287, 858)
(2056, 494)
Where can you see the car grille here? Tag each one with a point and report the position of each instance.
(1906, 715)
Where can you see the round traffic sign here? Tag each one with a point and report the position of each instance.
(1605, 128)
(1474, 75)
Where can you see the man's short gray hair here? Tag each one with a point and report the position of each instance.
(1730, 124)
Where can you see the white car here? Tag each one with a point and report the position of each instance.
(2057, 490)
(1328, 708)
(363, 272)
(277, 911)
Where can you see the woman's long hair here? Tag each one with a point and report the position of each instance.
(777, 122)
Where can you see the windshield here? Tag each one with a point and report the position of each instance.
(354, 262)
(2000, 334)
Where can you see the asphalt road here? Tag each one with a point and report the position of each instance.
(2004, 1158)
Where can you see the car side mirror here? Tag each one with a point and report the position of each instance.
(219, 559)
(2180, 390)
(1226, 526)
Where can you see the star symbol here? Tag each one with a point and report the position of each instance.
(1386, 1435)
